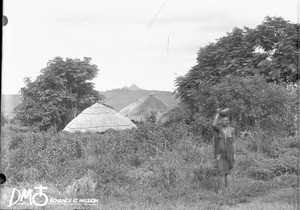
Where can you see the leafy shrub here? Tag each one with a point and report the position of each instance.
(257, 167)
(17, 128)
(16, 140)
(289, 142)
(152, 139)
(41, 151)
(243, 186)
(261, 167)
(84, 186)
(284, 181)
(263, 174)
(287, 164)
(15, 167)
(284, 196)
(201, 126)
(253, 101)
(243, 163)
(31, 174)
(61, 148)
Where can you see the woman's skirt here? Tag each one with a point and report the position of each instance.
(223, 164)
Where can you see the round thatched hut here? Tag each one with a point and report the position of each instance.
(98, 118)
(144, 109)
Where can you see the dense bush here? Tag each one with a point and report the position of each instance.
(40, 151)
(156, 162)
(201, 127)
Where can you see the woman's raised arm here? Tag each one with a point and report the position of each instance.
(215, 120)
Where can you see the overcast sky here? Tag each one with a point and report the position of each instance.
(146, 42)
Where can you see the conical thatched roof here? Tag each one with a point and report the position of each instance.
(140, 110)
(98, 118)
(128, 109)
(176, 114)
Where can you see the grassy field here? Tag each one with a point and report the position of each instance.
(150, 167)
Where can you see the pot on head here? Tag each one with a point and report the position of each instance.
(225, 112)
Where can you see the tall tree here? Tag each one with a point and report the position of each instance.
(269, 50)
(60, 93)
(278, 40)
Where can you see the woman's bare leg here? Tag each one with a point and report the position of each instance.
(220, 177)
(226, 181)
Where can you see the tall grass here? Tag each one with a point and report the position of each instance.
(150, 165)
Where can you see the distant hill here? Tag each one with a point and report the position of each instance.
(134, 87)
(120, 98)
(117, 98)
(9, 102)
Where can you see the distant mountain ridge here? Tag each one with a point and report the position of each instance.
(9, 102)
(117, 98)
(134, 87)
(131, 87)
(120, 98)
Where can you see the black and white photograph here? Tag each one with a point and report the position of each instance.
(161, 104)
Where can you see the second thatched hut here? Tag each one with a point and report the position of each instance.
(145, 109)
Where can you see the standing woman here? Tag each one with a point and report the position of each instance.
(224, 138)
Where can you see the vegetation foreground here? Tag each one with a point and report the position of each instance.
(151, 167)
